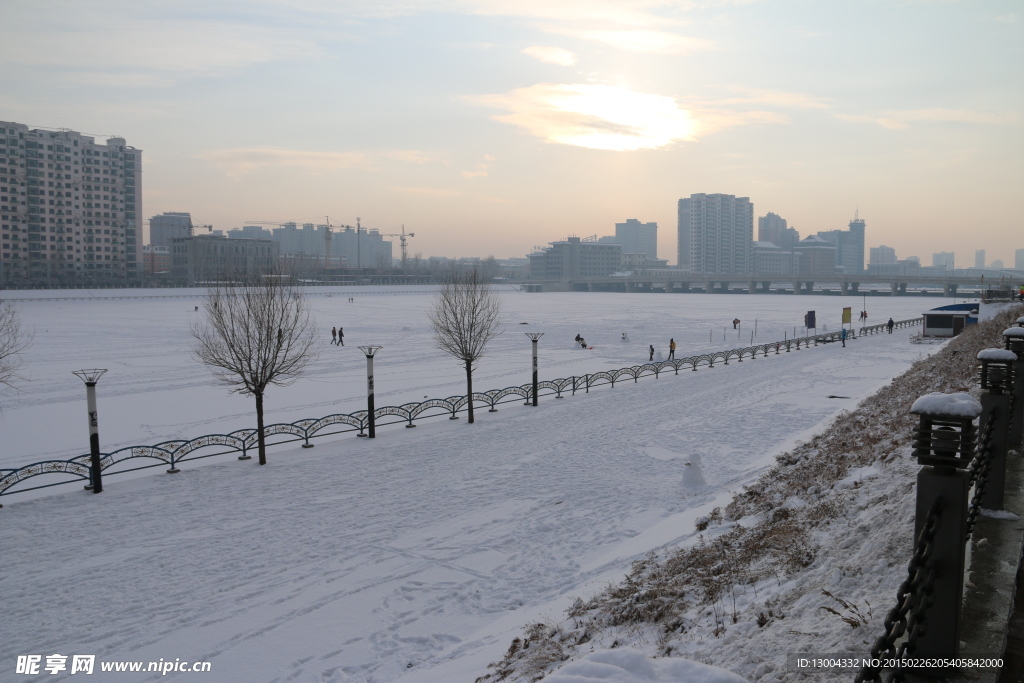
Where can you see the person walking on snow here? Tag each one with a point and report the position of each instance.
(652, 353)
(341, 336)
(889, 325)
(671, 349)
(334, 335)
(842, 336)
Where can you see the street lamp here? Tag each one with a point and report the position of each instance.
(369, 351)
(90, 377)
(534, 336)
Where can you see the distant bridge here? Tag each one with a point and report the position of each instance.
(668, 280)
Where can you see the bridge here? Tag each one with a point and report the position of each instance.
(677, 281)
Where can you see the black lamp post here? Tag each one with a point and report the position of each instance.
(370, 351)
(534, 337)
(90, 377)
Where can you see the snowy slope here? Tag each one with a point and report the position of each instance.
(421, 553)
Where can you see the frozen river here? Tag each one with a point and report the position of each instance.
(154, 391)
(416, 557)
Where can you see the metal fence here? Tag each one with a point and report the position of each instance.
(963, 471)
(172, 453)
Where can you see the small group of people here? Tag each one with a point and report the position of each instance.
(671, 350)
(351, 299)
(863, 316)
(338, 336)
(581, 341)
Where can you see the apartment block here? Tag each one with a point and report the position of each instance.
(716, 234)
(575, 258)
(208, 258)
(69, 207)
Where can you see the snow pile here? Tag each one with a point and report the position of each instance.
(997, 354)
(805, 560)
(633, 666)
(959, 404)
(1013, 332)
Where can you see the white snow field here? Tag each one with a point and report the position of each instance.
(419, 555)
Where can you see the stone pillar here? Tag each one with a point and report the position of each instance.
(844, 288)
(751, 287)
(684, 287)
(796, 287)
(810, 287)
(903, 288)
(893, 288)
(766, 286)
(855, 286)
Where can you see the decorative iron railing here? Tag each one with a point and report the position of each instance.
(174, 452)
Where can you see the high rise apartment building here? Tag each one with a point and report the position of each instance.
(637, 238)
(573, 258)
(774, 228)
(944, 260)
(716, 234)
(167, 226)
(69, 207)
(849, 246)
(979, 258)
(882, 256)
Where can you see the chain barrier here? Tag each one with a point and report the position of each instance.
(911, 604)
(979, 472)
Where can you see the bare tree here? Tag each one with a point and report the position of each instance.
(13, 340)
(464, 315)
(256, 333)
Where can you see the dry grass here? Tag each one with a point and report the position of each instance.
(665, 594)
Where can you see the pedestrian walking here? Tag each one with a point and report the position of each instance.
(652, 353)
(334, 335)
(671, 349)
(842, 337)
(890, 325)
(341, 336)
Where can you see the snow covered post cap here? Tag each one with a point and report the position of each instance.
(1014, 338)
(945, 435)
(1020, 322)
(996, 369)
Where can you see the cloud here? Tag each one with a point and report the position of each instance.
(778, 98)
(594, 116)
(896, 120)
(241, 160)
(551, 55)
(639, 40)
(481, 169)
(428, 191)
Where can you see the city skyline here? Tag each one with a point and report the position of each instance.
(486, 127)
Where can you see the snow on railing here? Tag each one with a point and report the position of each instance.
(173, 452)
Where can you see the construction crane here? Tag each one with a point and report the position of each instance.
(402, 236)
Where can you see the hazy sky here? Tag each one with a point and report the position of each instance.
(489, 126)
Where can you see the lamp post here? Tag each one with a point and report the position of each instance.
(90, 377)
(370, 351)
(534, 337)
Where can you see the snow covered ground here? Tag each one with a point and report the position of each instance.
(416, 557)
(153, 391)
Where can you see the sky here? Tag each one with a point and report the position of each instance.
(490, 126)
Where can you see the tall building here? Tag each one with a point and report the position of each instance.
(574, 258)
(716, 234)
(208, 258)
(1018, 259)
(167, 226)
(882, 256)
(996, 264)
(849, 246)
(69, 207)
(637, 238)
(774, 228)
(357, 247)
(944, 259)
(979, 258)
